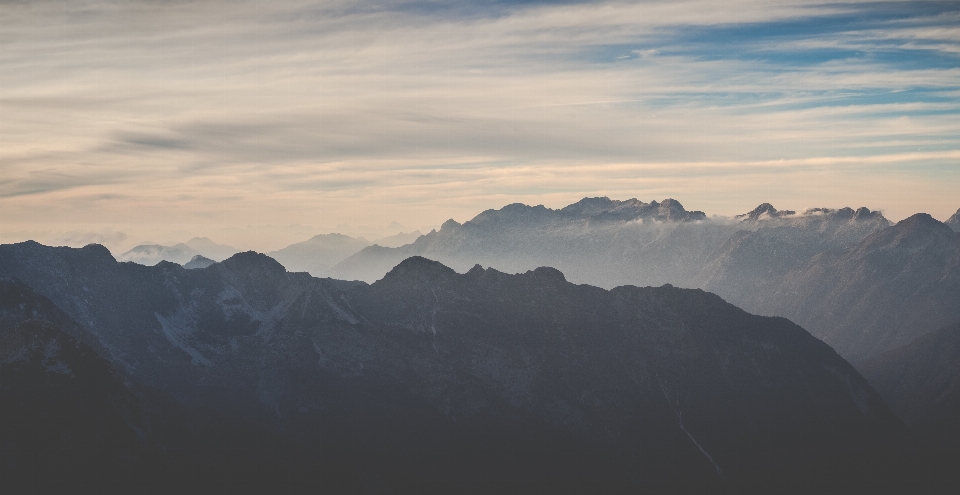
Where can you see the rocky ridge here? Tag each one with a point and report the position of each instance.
(430, 371)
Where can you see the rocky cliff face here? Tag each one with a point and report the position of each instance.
(432, 380)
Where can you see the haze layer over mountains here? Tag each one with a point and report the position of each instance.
(608, 345)
(847, 275)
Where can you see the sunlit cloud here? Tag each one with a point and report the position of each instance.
(192, 113)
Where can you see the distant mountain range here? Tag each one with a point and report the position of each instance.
(315, 255)
(151, 254)
(434, 381)
(809, 266)
(872, 298)
(417, 378)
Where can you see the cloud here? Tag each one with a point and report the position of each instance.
(352, 112)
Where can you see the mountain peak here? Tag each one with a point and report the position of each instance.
(418, 266)
(671, 209)
(920, 221)
(917, 232)
(589, 206)
(954, 221)
(450, 225)
(253, 261)
(547, 273)
(863, 213)
(198, 261)
(765, 210)
(476, 270)
(98, 250)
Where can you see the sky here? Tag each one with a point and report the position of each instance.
(262, 123)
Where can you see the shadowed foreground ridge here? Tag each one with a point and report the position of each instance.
(434, 381)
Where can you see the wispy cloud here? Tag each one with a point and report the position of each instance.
(195, 112)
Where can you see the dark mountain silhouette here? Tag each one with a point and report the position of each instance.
(72, 422)
(434, 381)
(65, 413)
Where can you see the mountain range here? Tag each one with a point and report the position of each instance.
(608, 345)
(429, 380)
(847, 275)
(315, 255)
(182, 253)
(823, 268)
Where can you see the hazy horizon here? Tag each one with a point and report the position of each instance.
(259, 125)
(266, 238)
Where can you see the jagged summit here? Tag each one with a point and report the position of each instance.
(845, 213)
(864, 213)
(765, 210)
(557, 380)
(671, 209)
(592, 206)
(954, 221)
(450, 224)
